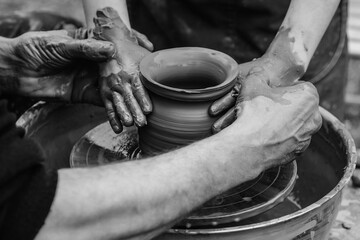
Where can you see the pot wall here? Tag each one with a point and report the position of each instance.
(173, 124)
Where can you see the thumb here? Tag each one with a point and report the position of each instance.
(257, 74)
(143, 40)
(254, 84)
(89, 49)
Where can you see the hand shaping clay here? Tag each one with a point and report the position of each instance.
(182, 83)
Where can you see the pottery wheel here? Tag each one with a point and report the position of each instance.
(101, 146)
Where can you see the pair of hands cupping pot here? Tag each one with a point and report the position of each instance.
(280, 120)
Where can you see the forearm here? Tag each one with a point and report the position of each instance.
(142, 198)
(299, 35)
(91, 6)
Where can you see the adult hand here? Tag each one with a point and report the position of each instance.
(125, 99)
(52, 65)
(277, 75)
(278, 121)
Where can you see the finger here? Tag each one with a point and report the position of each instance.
(254, 84)
(113, 119)
(313, 125)
(131, 104)
(244, 68)
(222, 104)
(302, 146)
(317, 122)
(143, 40)
(141, 95)
(122, 110)
(80, 33)
(224, 121)
(90, 49)
(258, 73)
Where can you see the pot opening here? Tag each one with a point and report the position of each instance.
(197, 74)
(192, 77)
(189, 74)
(189, 69)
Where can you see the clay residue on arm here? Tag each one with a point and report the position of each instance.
(289, 61)
(109, 26)
(289, 54)
(251, 88)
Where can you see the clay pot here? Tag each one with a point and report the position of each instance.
(182, 84)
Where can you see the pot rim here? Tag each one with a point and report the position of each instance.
(349, 143)
(190, 94)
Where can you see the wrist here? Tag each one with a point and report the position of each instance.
(245, 159)
(285, 61)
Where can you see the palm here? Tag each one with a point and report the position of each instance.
(54, 65)
(37, 54)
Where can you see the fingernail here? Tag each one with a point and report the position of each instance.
(147, 108)
(140, 121)
(213, 111)
(128, 121)
(215, 128)
(116, 128)
(234, 94)
(107, 49)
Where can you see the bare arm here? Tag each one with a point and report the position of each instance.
(305, 23)
(136, 198)
(140, 199)
(288, 56)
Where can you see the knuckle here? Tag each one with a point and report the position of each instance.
(128, 97)
(310, 88)
(111, 114)
(136, 85)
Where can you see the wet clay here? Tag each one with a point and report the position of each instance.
(257, 85)
(37, 64)
(284, 59)
(182, 84)
(124, 97)
(109, 26)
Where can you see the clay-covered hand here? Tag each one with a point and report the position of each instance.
(278, 121)
(54, 65)
(277, 75)
(125, 99)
